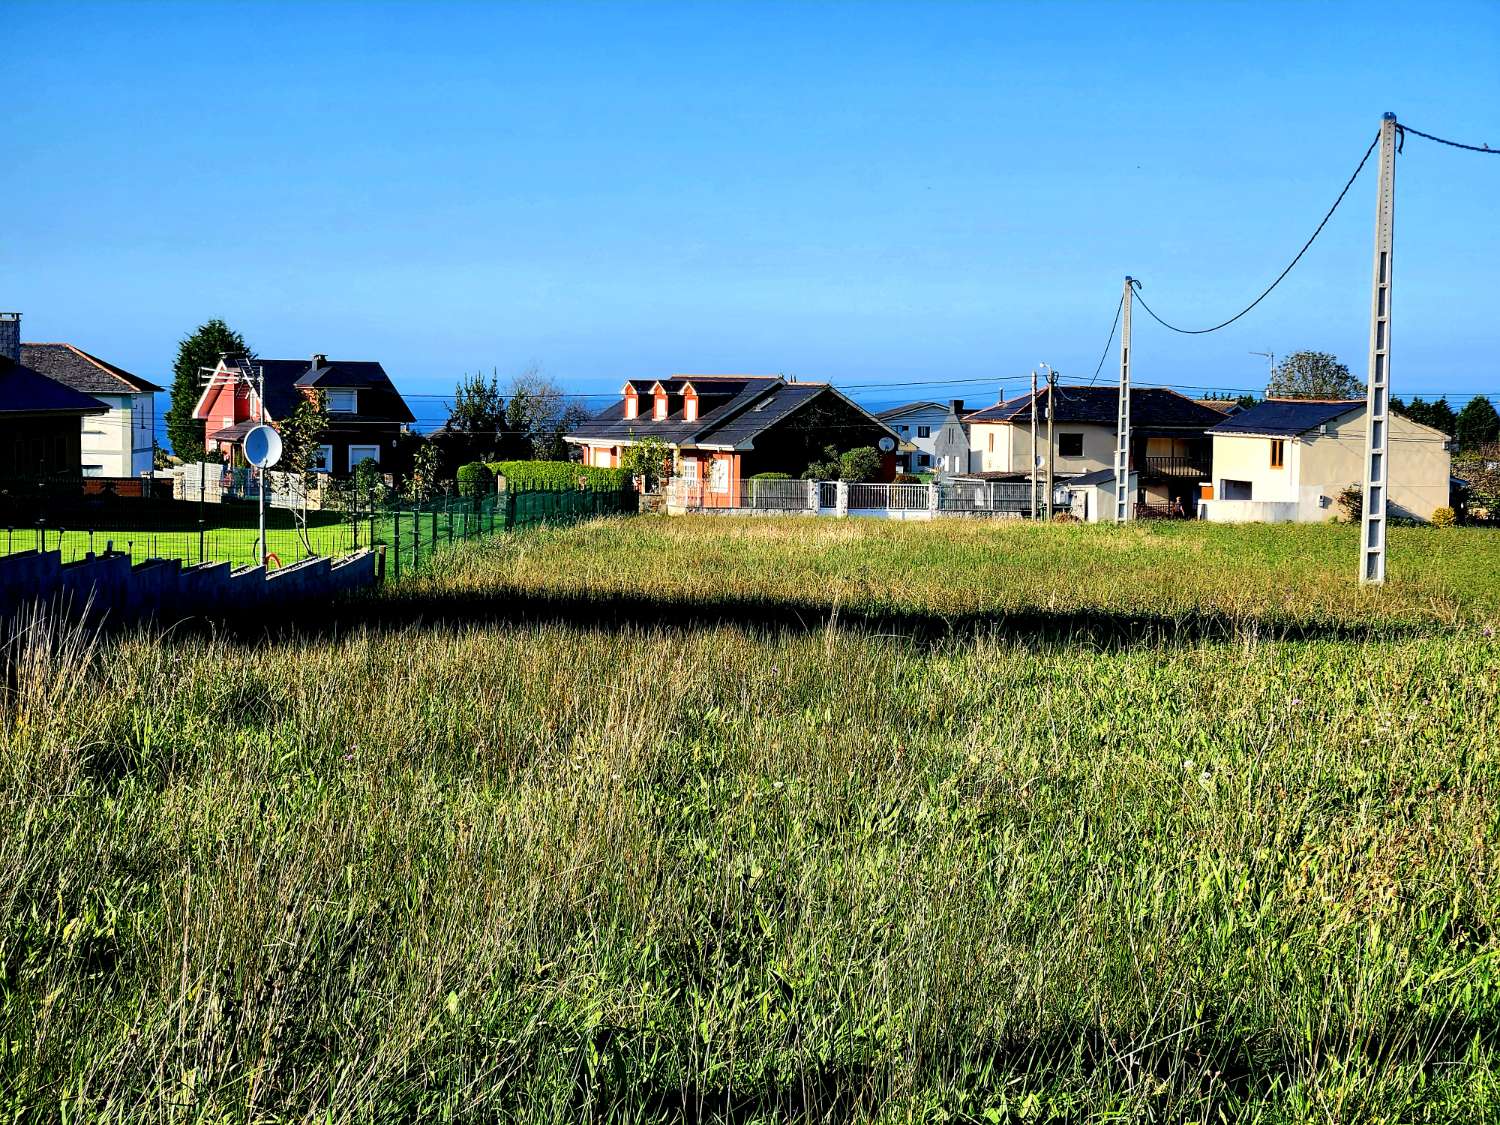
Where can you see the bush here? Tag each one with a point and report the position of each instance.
(860, 464)
(771, 476)
(908, 478)
(475, 479)
(553, 474)
(1352, 502)
(1443, 517)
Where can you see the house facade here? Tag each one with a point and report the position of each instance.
(952, 445)
(1287, 460)
(724, 429)
(41, 420)
(366, 414)
(1170, 452)
(120, 442)
(917, 425)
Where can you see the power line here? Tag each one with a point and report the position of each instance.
(1112, 328)
(1267, 292)
(1404, 129)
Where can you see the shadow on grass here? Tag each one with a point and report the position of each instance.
(424, 607)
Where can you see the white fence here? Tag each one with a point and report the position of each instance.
(1010, 499)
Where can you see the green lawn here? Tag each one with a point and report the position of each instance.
(754, 820)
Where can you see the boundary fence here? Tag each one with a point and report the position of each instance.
(957, 497)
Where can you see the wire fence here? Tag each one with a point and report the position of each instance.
(64, 516)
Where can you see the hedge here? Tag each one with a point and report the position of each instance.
(519, 474)
(772, 476)
(475, 479)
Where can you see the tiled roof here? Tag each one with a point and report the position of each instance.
(1149, 406)
(719, 399)
(26, 391)
(76, 368)
(763, 414)
(1286, 417)
(381, 402)
(886, 415)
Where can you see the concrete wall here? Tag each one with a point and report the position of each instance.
(1012, 452)
(108, 587)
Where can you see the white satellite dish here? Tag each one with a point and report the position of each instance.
(262, 447)
(887, 444)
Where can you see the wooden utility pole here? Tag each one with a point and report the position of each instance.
(1032, 474)
(1378, 390)
(1123, 505)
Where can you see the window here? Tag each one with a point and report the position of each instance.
(659, 407)
(922, 460)
(632, 406)
(323, 459)
(690, 409)
(992, 441)
(904, 429)
(1278, 454)
(358, 453)
(1070, 445)
(718, 475)
(343, 402)
(924, 431)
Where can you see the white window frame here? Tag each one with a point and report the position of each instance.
(924, 431)
(336, 397)
(718, 475)
(659, 407)
(370, 451)
(323, 460)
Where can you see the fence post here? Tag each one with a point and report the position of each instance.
(932, 499)
(200, 540)
(416, 535)
(812, 497)
(843, 498)
(396, 540)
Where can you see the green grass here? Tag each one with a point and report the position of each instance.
(759, 820)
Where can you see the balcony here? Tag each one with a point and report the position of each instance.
(1183, 468)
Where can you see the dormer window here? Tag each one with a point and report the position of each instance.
(632, 403)
(689, 404)
(659, 405)
(343, 402)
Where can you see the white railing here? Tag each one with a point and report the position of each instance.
(904, 501)
(774, 495)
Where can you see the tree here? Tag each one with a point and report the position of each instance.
(862, 464)
(538, 414)
(199, 350)
(301, 442)
(1313, 375)
(1477, 424)
(647, 459)
(475, 429)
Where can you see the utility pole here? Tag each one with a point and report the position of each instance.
(1122, 423)
(1377, 393)
(1051, 383)
(1033, 445)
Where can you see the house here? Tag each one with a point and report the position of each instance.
(952, 445)
(916, 424)
(366, 414)
(41, 420)
(724, 429)
(1288, 460)
(121, 443)
(1169, 449)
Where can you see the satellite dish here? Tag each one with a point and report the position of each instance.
(886, 445)
(262, 447)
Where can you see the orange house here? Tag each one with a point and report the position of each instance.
(723, 429)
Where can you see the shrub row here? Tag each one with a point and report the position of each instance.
(522, 473)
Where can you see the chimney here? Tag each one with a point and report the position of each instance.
(956, 407)
(319, 361)
(10, 336)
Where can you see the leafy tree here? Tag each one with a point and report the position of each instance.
(1477, 424)
(650, 459)
(1480, 469)
(422, 485)
(538, 415)
(200, 349)
(862, 464)
(302, 435)
(825, 469)
(1439, 415)
(1313, 375)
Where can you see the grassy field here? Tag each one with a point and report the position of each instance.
(765, 820)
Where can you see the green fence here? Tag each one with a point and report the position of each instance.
(58, 516)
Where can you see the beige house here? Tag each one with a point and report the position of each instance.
(1287, 460)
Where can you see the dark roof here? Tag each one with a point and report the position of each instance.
(233, 433)
(382, 402)
(895, 410)
(1098, 476)
(1149, 406)
(76, 368)
(719, 399)
(24, 390)
(763, 414)
(1286, 416)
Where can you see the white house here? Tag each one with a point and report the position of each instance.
(919, 424)
(121, 443)
(1287, 460)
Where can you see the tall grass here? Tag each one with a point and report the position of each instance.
(545, 871)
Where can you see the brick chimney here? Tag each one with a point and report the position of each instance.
(10, 336)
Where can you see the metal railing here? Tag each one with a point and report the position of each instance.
(1195, 468)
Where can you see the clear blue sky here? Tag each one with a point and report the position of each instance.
(870, 193)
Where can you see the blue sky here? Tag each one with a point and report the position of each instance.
(872, 193)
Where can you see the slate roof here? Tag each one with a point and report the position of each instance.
(76, 368)
(896, 411)
(763, 414)
(27, 391)
(1286, 417)
(381, 402)
(1155, 407)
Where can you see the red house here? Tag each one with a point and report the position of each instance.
(366, 414)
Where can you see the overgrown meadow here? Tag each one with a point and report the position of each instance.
(774, 820)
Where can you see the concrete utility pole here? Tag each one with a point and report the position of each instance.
(1122, 422)
(1378, 391)
(1051, 384)
(1033, 445)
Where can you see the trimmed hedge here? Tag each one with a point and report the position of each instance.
(519, 474)
(475, 479)
(772, 476)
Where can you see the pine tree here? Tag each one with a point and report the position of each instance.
(1477, 424)
(199, 350)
